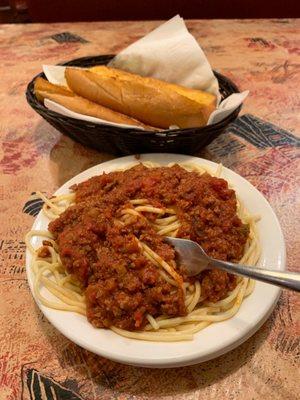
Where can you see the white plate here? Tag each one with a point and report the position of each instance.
(214, 340)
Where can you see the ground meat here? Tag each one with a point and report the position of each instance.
(44, 252)
(121, 285)
(215, 284)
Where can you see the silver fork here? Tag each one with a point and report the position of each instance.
(195, 260)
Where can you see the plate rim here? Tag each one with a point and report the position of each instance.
(176, 360)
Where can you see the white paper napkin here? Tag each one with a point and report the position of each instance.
(172, 54)
(169, 53)
(227, 106)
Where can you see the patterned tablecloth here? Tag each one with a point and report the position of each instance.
(36, 361)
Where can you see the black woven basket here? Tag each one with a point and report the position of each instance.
(121, 141)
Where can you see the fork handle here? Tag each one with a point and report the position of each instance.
(284, 279)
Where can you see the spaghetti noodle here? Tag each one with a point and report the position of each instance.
(192, 306)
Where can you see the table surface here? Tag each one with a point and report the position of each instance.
(36, 361)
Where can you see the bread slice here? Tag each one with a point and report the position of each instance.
(149, 100)
(65, 97)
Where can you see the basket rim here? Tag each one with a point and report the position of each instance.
(31, 98)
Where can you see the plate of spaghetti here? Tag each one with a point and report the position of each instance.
(101, 272)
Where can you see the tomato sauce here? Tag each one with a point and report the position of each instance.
(121, 285)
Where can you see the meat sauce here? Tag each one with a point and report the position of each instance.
(121, 285)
